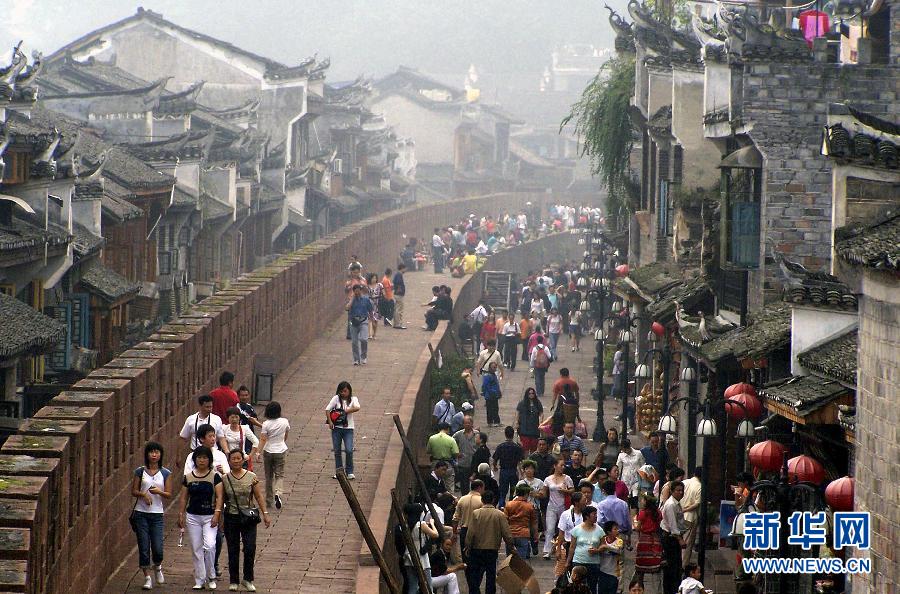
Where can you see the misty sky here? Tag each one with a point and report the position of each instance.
(361, 36)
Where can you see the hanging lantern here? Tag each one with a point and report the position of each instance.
(767, 455)
(806, 469)
(657, 328)
(622, 270)
(752, 408)
(581, 241)
(642, 371)
(582, 282)
(585, 306)
(839, 493)
(707, 428)
(741, 388)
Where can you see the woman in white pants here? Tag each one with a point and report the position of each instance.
(559, 485)
(442, 575)
(201, 509)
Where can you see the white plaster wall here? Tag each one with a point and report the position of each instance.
(700, 155)
(432, 130)
(659, 91)
(716, 85)
(812, 326)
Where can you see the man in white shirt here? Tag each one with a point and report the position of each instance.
(572, 516)
(673, 530)
(444, 409)
(477, 317)
(689, 505)
(203, 416)
(510, 333)
(489, 355)
(437, 251)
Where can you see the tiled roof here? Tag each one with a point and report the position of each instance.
(20, 234)
(345, 202)
(836, 358)
(653, 278)
(25, 330)
(182, 198)
(689, 294)
(84, 242)
(805, 393)
(877, 246)
(766, 331)
(116, 206)
(107, 283)
(820, 294)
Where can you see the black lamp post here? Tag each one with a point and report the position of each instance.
(621, 321)
(706, 427)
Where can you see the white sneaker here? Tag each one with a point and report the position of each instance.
(233, 588)
(160, 578)
(365, 361)
(198, 586)
(248, 586)
(148, 583)
(211, 585)
(351, 477)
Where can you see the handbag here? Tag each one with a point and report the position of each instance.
(247, 516)
(131, 520)
(338, 416)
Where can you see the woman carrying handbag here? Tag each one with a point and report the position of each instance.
(241, 519)
(339, 417)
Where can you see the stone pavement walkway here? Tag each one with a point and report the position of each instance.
(313, 544)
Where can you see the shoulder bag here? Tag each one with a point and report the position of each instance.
(247, 516)
(131, 519)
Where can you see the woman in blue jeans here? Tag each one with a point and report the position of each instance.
(339, 416)
(151, 487)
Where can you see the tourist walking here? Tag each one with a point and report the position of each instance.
(360, 308)
(241, 488)
(477, 317)
(376, 293)
(540, 363)
(224, 397)
(203, 416)
(559, 485)
(399, 295)
(462, 515)
(488, 527)
(629, 461)
(529, 412)
(339, 415)
(437, 251)
(522, 516)
(575, 330)
(554, 329)
(236, 435)
(152, 488)
(510, 332)
(673, 529)
(490, 391)
(273, 445)
(488, 332)
(466, 441)
(201, 510)
(610, 567)
(585, 546)
(506, 458)
(386, 307)
(609, 450)
(690, 503)
(648, 558)
(441, 447)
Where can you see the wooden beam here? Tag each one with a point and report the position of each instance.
(410, 457)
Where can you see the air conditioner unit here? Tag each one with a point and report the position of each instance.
(337, 166)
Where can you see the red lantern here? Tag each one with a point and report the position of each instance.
(622, 270)
(767, 456)
(741, 388)
(839, 493)
(658, 328)
(805, 469)
(752, 407)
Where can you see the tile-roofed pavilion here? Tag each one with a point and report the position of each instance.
(24, 330)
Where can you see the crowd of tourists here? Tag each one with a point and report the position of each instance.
(222, 497)
(540, 491)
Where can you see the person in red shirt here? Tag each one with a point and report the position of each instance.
(563, 380)
(224, 397)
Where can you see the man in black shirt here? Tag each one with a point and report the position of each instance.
(440, 309)
(575, 469)
(442, 575)
(543, 458)
(507, 456)
(434, 482)
(399, 294)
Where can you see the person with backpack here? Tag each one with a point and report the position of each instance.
(540, 363)
(339, 418)
(422, 531)
(152, 488)
(490, 391)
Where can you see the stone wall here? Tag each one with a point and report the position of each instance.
(65, 479)
(415, 410)
(877, 434)
(787, 103)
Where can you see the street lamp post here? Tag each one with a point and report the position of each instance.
(690, 376)
(706, 428)
(622, 320)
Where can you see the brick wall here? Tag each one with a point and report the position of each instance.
(415, 409)
(877, 433)
(787, 102)
(65, 480)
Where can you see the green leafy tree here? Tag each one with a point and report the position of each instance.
(601, 122)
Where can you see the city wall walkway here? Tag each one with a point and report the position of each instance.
(313, 544)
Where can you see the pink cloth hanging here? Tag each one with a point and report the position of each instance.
(813, 23)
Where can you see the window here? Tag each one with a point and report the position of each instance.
(742, 189)
(677, 164)
(666, 212)
(8, 289)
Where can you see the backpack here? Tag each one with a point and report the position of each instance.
(464, 331)
(541, 359)
(399, 542)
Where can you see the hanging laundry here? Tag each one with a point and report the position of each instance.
(813, 23)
